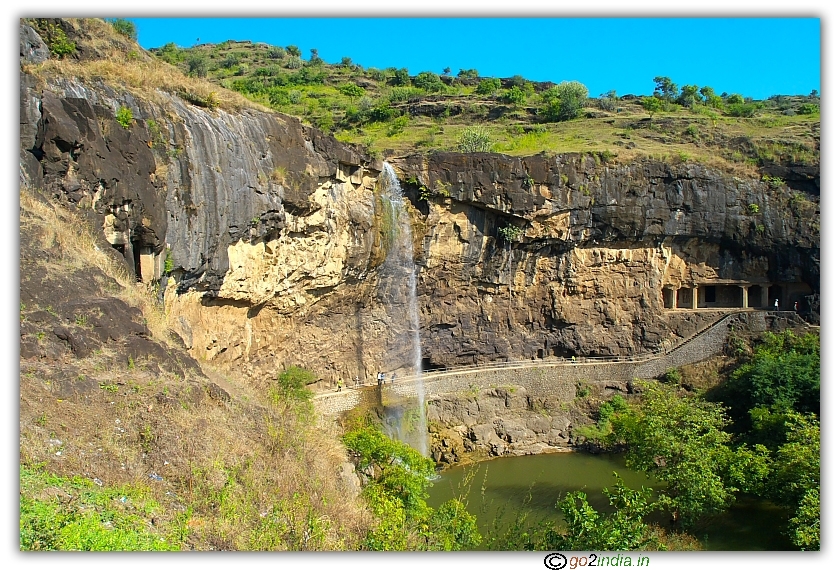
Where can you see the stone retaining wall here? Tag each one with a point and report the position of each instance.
(546, 379)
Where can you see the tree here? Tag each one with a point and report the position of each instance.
(170, 53)
(401, 76)
(197, 65)
(665, 89)
(447, 70)
(346, 61)
(624, 529)
(689, 96)
(681, 442)
(314, 58)
(794, 480)
(293, 50)
(651, 105)
(783, 374)
(468, 73)
(563, 102)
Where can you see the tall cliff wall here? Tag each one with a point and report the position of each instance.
(273, 233)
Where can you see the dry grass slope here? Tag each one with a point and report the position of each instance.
(238, 472)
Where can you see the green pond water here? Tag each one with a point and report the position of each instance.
(534, 483)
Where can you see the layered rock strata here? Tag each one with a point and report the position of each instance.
(268, 235)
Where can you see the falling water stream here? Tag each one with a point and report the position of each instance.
(398, 292)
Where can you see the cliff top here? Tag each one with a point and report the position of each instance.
(388, 112)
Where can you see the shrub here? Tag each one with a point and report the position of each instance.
(56, 39)
(294, 62)
(510, 233)
(563, 102)
(808, 109)
(743, 109)
(488, 86)
(124, 117)
(292, 383)
(276, 53)
(468, 73)
(197, 65)
(400, 94)
(124, 28)
(474, 139)
(401, 77)
(607, 101)
(398, 125)
(429, 81)
(170, 53)
(293, 51)
(513, 96)
(376, 74)
(351, 90)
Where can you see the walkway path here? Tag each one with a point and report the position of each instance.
(703, 344)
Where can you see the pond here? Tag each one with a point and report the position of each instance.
(534, 483)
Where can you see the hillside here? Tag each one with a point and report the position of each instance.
(390, 112)
(185, 245)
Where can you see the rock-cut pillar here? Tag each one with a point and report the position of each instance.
(765, 296)
(694, 297)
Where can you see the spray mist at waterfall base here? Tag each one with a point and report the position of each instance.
(398, 294)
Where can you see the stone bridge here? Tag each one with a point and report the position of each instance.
(543, 377)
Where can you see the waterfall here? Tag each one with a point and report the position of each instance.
(398, 293)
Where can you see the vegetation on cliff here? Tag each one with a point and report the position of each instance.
(390, 111)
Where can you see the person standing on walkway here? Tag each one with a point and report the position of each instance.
(339, 385)
(776, 305)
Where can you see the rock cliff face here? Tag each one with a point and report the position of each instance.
(272, 234)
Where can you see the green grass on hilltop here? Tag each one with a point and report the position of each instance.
(389, 112)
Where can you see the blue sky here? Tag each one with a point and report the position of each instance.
(757, 57)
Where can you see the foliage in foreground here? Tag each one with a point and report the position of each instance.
(58, 513)
(622, 528)
(397, 478)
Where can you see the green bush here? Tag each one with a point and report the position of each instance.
(468, 73)
(292, 383)
(56, 39)
(808, 109)
(488, 86)
(474, 139)
(351, 90)
(510, 232)
(743, 109)
(513, 96)
(429, 81)
(563, 102)
(397, 125)
(400, 94)
(197, 65)
(124, 28)
(397, 477)
(401, 77)
(124, 117)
